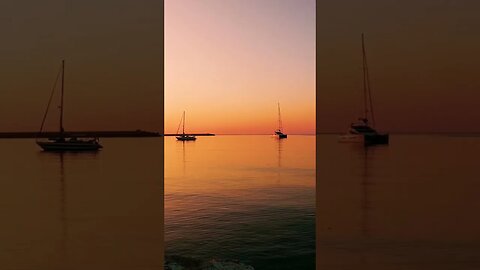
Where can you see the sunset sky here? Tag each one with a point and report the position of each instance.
(423, 58)
(113, 61)
(228, 63)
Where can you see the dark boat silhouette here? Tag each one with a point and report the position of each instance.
(279, 131)
(63, 142)
(362, 132)
(183, 136)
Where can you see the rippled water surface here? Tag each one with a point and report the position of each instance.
(246, 198)
(81, 210)
(411, 205)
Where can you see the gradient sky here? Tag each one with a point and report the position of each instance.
(423, 57)
(228, 63)
(113, 57)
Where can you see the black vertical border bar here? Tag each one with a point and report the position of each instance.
(317, 128)
(162, 129)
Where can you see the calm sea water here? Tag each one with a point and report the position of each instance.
(246, 198)
(412, 205)
(81, 211)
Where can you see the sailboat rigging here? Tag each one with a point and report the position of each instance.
(279, 131)
(64, 142)
(362, 132)
(183, 136)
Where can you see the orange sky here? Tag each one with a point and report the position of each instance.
(111, 48)
(423, 59)
(228, 63)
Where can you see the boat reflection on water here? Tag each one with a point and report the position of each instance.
(248, 197)
(387, 207)
(366, 183)
(63, 209)
(279, 170)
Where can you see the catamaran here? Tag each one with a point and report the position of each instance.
(362, 132)
(279, 131)
(64, 142)
(183, 136)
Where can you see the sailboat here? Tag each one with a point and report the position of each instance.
(183, 136)
(64, 142)
(279, 131)
(362, 132)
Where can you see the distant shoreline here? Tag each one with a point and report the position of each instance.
(142, 133)
(96, 134)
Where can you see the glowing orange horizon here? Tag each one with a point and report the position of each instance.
(227, 66)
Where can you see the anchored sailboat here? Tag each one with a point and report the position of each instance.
(64, 142)
(362, 132)
(279, 131)
(183, 136)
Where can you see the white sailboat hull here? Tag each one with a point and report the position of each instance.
(367, 139)
(70, 146)
(186, 138)
(351, 138)
(361, 132)
(64, 143)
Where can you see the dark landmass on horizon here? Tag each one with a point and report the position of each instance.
(193, 134)
(97, 134)
(142, 133)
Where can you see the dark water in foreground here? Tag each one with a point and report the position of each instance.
(81, 211)
(247, 198)
(413, 205)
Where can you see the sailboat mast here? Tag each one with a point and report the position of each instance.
(279, 118)
(366, 85)
(364, 79)
(61, 100)
(183, 122)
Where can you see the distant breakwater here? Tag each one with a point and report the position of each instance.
(96, 134)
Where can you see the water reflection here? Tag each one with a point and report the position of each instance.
(82, 210)
(280, 142)
(366, 182)
(181, 147)
(246, 198)
(405, 205)
(279, 171)
(58, 160)
(365, 154)
(63, 207)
